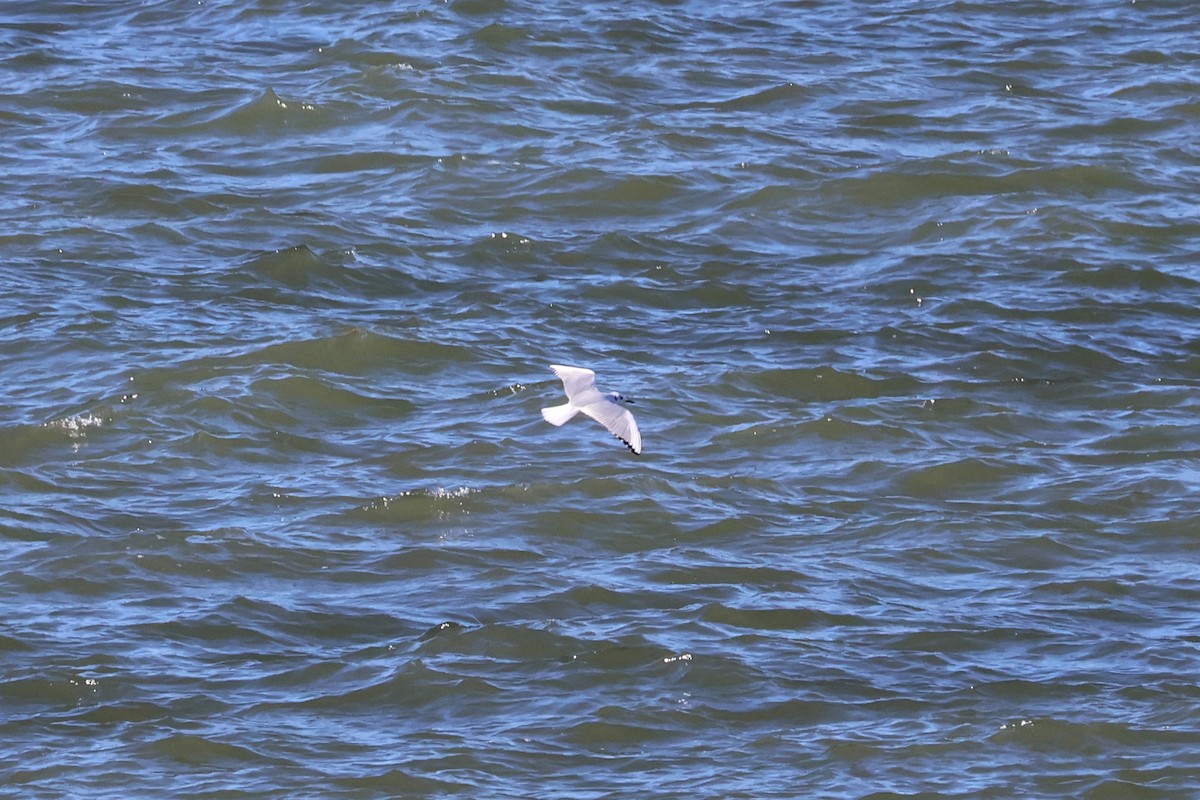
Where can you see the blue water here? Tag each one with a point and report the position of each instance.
(907, 296)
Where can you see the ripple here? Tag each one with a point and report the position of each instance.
(908, 307)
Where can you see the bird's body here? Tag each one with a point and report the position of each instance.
(605, 408)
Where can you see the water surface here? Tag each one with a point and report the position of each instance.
(907, 297)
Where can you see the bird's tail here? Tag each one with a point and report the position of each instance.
(558, 415)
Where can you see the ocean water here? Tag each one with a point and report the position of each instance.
(908, 296)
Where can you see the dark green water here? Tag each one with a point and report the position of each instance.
(908, 296)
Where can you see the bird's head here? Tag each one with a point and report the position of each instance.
(617, 397)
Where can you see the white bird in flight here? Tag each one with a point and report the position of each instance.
(605, 408)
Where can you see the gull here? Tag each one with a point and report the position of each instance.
(605, 408)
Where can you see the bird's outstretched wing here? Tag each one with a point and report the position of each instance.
(575, 379)
(618, 420)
